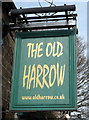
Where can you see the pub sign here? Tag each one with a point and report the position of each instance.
(44, 71)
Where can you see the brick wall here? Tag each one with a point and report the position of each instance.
(0, 61)
(7, 61)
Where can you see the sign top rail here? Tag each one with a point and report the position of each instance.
(42, 10)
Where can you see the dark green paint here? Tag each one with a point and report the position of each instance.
(67, 38)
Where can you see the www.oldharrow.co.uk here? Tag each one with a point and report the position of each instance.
(39, 97)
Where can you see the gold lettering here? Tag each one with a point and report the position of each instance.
(54, 49)
(62, 74)
(38, 75)
(47, 49)
(40, 49)
(45, 74)
(29, 49)
(53, 67)
(59, 45)
(32, 77)
(26, 76)
(34, 51)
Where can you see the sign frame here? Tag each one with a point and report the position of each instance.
(72, 76)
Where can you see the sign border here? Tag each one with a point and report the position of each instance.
(72, 77)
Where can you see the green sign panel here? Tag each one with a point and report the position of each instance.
(44, 71)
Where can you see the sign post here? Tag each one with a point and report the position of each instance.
(44, 71)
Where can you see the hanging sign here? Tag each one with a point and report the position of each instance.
(44, 71)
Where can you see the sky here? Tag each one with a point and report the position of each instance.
(81, 10)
